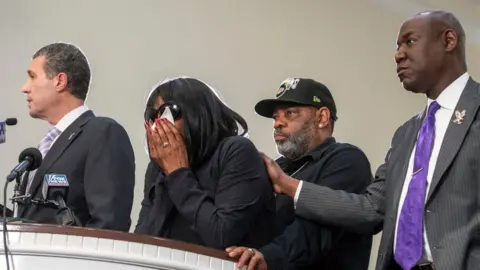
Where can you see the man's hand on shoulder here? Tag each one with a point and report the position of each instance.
(248, 256)
(282, 183)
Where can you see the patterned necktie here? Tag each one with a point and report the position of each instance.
(409, 247)
(44, 146)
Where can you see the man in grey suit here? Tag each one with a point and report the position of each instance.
(426, 194)
(94, 152)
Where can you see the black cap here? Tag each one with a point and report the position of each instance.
(299, 91)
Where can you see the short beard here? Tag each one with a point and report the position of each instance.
(297, 144)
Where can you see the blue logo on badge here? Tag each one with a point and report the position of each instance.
(3, 130)
(59, 180)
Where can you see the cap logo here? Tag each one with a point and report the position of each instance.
(316, 99)
(290, 83)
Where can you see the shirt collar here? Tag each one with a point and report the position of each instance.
(70, 117)
(318, 151)
(449, 97)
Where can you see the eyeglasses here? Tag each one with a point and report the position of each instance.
(152, 114)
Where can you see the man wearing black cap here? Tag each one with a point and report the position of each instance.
(304, 113)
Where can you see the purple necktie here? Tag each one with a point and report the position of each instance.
(409, 247)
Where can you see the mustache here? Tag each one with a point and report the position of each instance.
(279, 133)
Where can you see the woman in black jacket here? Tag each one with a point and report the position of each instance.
(206, 183)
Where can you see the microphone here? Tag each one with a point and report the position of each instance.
(11, 121)
(55, 188)
(29, 160)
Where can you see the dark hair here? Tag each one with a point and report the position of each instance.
(207, 120)
(66, 58)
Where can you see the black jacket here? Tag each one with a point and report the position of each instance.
(227, 201)
(304, 244)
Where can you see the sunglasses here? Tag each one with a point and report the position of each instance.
(152, 114)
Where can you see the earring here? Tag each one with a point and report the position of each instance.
(320, 126)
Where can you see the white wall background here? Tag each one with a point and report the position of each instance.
(242, 48)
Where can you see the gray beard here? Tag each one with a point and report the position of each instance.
(297, 145)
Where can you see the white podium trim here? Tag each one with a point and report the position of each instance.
(110, 250)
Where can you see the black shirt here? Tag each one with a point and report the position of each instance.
(227, 201)
(304, 244)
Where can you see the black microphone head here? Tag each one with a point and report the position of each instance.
(34, 155)
(11, 121)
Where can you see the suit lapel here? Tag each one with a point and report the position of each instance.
(62, 143)
(456, 132)
(404, 158)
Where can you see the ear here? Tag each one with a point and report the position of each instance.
(60, 82)
(450, 40)
(323, 117)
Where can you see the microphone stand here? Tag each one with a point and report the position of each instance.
(64, 216)
(16, 194)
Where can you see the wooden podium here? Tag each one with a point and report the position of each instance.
(35, 246)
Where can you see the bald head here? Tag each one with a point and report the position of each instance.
(430, 52)
(442, 22)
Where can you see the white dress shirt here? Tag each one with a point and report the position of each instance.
(297, 194)
(68, 119)
(447, 100)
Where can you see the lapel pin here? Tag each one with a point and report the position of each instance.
(459, 115)
(71, 136)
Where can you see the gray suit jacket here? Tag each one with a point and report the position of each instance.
(452, 210)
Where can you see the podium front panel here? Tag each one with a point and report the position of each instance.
(51, 247)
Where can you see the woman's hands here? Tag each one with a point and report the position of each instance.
(166, 145)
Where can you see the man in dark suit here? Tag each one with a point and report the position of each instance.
(94, 153)
(304, 113)
(426, 194)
